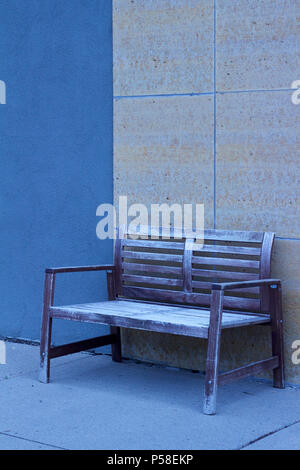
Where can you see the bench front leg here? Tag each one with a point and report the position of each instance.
(46, 328)
(213, 352)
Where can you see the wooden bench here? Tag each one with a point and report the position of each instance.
(182, 287)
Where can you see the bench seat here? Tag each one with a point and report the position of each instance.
(175, 319)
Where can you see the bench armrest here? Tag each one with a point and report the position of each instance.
(74, 269)
(241, 284)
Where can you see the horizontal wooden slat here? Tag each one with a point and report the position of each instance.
(208, 285)
(202, 308)
(236, 263)
(151, 256)
(211, 273)
(250, 369)
(228, 249)
(166, 245)
(187, 297)
(159, 295)
(152, 268)
(222, 235)
(152, 280)
(145, 230)
(241, 303)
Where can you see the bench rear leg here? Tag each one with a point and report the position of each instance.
(277, 334)
(116, 350)
(213, 354)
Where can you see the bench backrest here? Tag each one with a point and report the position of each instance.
(183, 270)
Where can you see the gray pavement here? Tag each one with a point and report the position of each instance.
(94, 403)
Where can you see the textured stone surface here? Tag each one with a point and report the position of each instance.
(163, 151)
(163, 46)
(257, 44)
(164, 146)
(257, 176)
(286, 262)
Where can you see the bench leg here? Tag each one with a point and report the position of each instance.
(44, 351)
(46, 329)
(213, 354)
(116, 346)
(277, 335)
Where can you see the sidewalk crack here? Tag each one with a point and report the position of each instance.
(269, 434)
(31, 440)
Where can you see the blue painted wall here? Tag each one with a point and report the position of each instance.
(55, 155)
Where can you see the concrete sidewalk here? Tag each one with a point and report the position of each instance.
(93, 403)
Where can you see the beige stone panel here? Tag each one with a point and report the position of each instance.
(162, 47)
(257, 44)
(163, 151)
(258, 171)
(239, 346)
(286, 266)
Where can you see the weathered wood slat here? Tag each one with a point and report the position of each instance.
(232, 275)
(208, 285)
(234, 263)
(188, 297)
(222, 235)
(146, 230)
(151, 268)
(157, 244)
(152, 256)
(155, 294)
(228, 249)
(241, 303)
(131, 278)
(199, 308)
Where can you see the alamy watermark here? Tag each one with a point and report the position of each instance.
(2, 92)
(296, 353)
(296, 93)
(2, 352)
(182, 220)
